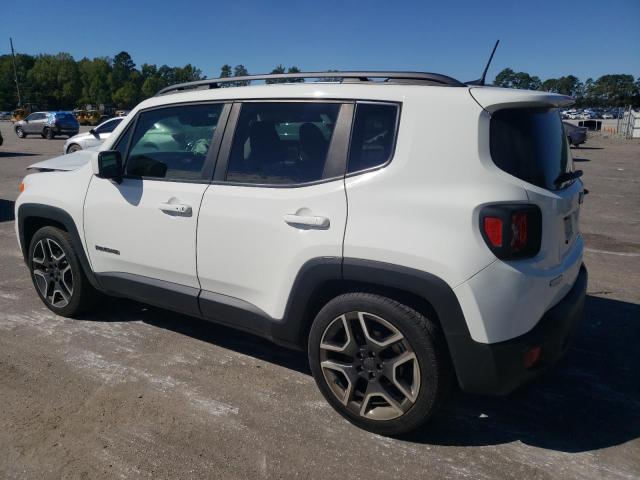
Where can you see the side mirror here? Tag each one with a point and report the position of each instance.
(94, 133)
(108, 164)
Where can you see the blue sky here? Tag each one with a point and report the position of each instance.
(587, 38)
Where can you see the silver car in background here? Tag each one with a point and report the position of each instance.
(93, 137)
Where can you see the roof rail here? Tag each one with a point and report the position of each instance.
(414, 77)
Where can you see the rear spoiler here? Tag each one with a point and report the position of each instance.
(495, 98)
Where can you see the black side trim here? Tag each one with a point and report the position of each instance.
(163, 294)
(47, 212)
(235, 313)
(425, 285)
(311, 277)
(288, 331)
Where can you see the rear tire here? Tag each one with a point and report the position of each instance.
(57, 275)
(48, 134)
(381, 364)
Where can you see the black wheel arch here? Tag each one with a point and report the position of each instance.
(33, 216)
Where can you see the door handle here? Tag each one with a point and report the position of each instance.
(309, 221)
(176, 208)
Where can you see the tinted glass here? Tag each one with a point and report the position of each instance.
(173, 142)
(373, 136)
(281, 143)
(123, 141)
(108, 127)
(64, 116)
(530, 143)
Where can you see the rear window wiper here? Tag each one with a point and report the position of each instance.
(567, 176)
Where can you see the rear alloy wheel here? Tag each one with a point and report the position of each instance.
(381, 364)
(20, 132)
(57, 274)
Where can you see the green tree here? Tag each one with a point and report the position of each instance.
(94, 78)
(122, 67)
(225, 71)
(276, 71)
(55, 81)
(509, 79)
(616, 90)
(126, 96)
(295, 69)
(240, 71)
(8, 93)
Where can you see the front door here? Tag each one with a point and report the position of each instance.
(141, 233)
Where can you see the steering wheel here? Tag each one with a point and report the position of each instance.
(198, 147)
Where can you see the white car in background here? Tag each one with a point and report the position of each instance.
(93, 137)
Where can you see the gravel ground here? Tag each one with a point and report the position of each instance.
(137, 392)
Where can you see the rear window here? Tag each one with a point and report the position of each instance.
(530, 144)
(64, 116)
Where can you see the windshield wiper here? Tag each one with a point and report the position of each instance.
(566, 176)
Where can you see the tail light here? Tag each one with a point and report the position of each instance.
(512, 231)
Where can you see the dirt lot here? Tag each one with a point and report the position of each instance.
(136, 392)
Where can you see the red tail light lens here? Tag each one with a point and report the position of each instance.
(519, 223)
(493, 230)
(512, 231)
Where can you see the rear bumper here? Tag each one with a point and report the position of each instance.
(498, 368)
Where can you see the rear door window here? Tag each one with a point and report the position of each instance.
(373, 136)
(530, 144)
(281, 143)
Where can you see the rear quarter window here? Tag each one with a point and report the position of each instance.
(373, 136)
(530, 144)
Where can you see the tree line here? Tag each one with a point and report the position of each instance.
(60, 82)
(614, 90)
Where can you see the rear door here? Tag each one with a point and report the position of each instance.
(277, 202)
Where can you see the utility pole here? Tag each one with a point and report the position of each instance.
(15, 72)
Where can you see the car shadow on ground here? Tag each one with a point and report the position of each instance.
(17, 154)
(6, 210)
(581, 160)
(590, 401)
(587, 148)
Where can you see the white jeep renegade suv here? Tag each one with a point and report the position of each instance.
(408, 232)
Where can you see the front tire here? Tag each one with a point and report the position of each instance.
(381, 364)
(57, 274)
(20, 132)
(48, 134)
(74, 147)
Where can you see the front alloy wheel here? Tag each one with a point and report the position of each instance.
(57, 273)
(369, 366)
(52, 273)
